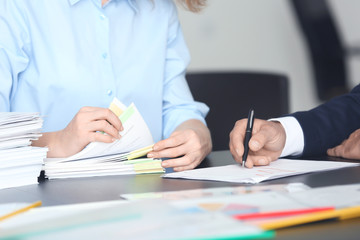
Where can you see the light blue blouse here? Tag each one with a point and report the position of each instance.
(58, 56)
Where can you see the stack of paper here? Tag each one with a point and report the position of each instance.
(100, 166)
(20, 164)
(117, 158)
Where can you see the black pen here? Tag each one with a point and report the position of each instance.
(248, 133)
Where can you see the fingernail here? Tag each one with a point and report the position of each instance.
(164, 164)
(113, 139)
(238, 152)
(155, 147)
(150, 155)
(119, 136)
(121, 128)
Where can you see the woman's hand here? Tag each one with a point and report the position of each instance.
(187, 146)
(88, 125)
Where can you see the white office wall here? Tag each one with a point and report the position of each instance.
(251, 35)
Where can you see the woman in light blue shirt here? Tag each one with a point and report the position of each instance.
(68, 59)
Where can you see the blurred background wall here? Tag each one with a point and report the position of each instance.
(264, 35)
(347, 14)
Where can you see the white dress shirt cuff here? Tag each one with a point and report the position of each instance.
(294, 144)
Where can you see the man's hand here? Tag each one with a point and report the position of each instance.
(266, 144)
(187, 146)
(87, 126)
(350, 148)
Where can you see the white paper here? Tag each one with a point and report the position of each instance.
(261, 202)
(135, 135)
(44, 214)
(98, 169)
(341, 196)
(216, 192)
(8, 208)
(20, 164)
(277, 169)
(140, 220)
(18, 140)
(103, 159)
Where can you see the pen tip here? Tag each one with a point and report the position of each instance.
(243, 164)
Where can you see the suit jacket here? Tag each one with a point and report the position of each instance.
(329, 124)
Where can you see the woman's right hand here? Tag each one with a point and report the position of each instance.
(87, 126)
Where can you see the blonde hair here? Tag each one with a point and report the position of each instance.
(193, 5)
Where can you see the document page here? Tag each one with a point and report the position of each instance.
(340, 196)
(277, 169)
(216, 192)
(139, 220)
(104, 159)
(135, 135)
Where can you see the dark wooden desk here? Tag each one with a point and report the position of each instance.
(67, 191)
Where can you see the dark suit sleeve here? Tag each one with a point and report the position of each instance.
(327, 125)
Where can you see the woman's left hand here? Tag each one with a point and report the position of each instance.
(186, 147)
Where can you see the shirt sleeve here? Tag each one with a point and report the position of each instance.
(294, 144)
(178, 103)
(14, 41)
